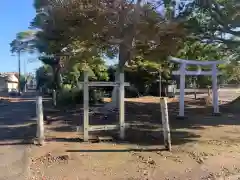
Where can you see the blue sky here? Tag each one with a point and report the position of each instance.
(15, 16)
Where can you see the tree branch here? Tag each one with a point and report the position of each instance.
(217, 14)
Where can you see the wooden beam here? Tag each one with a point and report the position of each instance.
(103, 83)
(103, 127)
(196, 73)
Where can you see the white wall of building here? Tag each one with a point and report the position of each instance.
(9, 82)
(12, 85)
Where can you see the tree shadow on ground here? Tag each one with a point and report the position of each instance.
(149, 116)
(135, 136)
(17, 134)
(17, 122)
(13, 113)
(118, 150)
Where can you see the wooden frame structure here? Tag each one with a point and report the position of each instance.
(182, 72)
(121, 126)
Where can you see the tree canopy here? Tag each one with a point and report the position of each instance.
(141, 34)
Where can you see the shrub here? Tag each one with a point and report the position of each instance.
(131, 92)
(65, 98)
(96, 95)
(75, 96)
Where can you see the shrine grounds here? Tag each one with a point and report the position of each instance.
(203, 146)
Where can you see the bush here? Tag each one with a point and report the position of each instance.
(67, 97)
(96, 95)
(67, 87)
(75, 96)
(131, 92)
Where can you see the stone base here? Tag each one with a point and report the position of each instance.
(181, 117)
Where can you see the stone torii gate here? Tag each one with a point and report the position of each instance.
(182, 72)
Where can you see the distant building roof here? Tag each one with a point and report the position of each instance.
(10, 76)
(8, 73)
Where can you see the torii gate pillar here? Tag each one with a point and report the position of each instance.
(215, 89)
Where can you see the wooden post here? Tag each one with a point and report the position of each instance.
(37, 108)
(215, 89)
(195, 93)
(165, 123)
(195, 89)
(54, 97)
(160, 84)
(115, 92)
(182, 87)
(85, 107)
(121, 106)
(209, 91)
(40, 123)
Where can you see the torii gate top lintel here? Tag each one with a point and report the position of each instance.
(195, 62)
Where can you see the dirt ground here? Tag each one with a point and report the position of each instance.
(204, 147)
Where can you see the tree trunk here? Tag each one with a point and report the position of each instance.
(56, 83)
(122, 59)
(125, 48)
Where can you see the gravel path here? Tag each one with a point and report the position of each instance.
(224, 94)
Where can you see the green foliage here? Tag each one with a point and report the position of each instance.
(196, 50)
(54, 63)
(44, 77)
(22, 82)
(217, 22)
(70, 96)
(212, 19)
(103, 27)
(24, 42)
(201, 51)
(142, 74)
(79, 36)
(72, 73)
(231, 72)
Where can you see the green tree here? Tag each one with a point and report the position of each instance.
(202, 51)
(216, 21)
(44, 77)
(122, 27)
(24, 42)
(73, 72)
(142, 74)
(22, 82)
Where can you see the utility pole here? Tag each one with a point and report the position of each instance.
(19, 72)
(25, 77)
